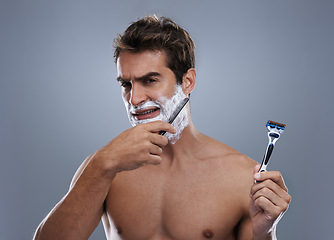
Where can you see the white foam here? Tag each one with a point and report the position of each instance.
(167, 107)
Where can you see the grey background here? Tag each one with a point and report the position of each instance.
(256, 60)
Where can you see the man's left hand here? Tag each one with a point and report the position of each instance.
(269, 200)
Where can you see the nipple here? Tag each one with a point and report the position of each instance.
(119, 230)
(207, 234)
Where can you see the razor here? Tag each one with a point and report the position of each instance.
(175, 113)
(275, 130)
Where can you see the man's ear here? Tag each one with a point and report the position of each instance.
(189, 81)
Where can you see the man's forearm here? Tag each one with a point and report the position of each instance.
(79, 212)
(271, 235)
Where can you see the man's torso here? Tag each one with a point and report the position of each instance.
(197, 199)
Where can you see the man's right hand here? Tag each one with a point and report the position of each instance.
(135, 147)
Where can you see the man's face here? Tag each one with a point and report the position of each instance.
(149, 89)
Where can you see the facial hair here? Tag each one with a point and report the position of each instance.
(167, 106)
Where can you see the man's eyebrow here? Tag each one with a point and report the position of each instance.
(144, 77)
(148, 75)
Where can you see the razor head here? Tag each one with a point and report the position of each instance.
(275, 128)
(277, 125)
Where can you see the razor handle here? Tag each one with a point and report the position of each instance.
(266, 157)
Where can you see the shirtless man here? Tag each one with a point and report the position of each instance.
(183, 185)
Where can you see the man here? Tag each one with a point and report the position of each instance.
(181, 185)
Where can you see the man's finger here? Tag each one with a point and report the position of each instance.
(153, 159)
(270, 185)
(276, 199)
(158, 126)
(158, 140)
(275, 176)
(271, 210)
(257, 168)
(155, 150)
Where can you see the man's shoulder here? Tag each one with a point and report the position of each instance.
(226, 154)
(233, 169)
(227, 159)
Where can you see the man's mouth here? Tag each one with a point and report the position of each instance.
(147, 113)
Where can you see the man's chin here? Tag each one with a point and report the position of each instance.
(172, 138)
(135, 122)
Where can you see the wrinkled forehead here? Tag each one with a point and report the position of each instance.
(135, 64)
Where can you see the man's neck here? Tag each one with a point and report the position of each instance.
(185, 146)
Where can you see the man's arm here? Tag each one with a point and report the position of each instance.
(245, 231)
(79, 212)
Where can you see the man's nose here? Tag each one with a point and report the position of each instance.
(137, 95)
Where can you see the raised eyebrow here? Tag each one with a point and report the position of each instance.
(148, 75)
(142, 78)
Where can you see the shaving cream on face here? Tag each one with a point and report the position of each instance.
(167, 106)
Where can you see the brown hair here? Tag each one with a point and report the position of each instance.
(163, 34)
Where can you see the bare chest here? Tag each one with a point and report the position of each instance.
(151, 205)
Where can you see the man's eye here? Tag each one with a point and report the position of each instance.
(150, 80)
(125, 84)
